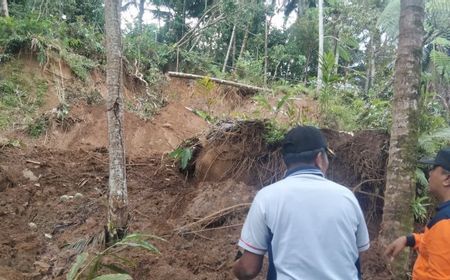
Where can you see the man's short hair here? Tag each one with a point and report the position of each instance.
(302, 144)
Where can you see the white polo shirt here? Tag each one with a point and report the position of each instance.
(312, 228)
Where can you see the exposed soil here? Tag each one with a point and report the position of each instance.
(54, 189)
(162, 202)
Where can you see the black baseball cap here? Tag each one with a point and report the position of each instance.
(442, 159)
(302, 139)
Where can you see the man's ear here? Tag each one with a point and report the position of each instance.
(447, 180)
(319, 161)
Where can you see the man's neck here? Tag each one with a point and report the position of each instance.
(444, 198)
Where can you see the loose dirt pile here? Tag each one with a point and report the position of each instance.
(65, 203)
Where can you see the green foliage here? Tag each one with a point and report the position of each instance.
(263, 101)
(80, 260)
(38, 127)
(74, 42)
(376, 113)
(250, 70)
(16, 34)
(431, 142)
(14, 143)
(92, 264)
(184, 155)
(419, 208)
(205, 116)
(389, 19)
(206, 83)
(274, 132)
(421, 178)
(145, 54)
(284, 104)
(20, 95)
(83, 39)
(80, 65)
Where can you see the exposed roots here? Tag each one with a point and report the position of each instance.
(239, 150)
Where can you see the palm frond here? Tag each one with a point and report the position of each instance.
(430, 143)
(441, 61)
(389, 19)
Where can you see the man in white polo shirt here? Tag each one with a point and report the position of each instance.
(312, 228)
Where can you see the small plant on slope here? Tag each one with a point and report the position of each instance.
(90, 266)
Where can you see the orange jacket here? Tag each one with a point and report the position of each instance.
(433, 246)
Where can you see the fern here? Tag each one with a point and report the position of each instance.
(389, 19)
(421, 178)
(440, 41)
(441, 61)
(438, 12)
(432, 142)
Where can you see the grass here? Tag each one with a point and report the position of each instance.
(21, 94)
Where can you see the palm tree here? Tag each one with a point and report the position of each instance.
(118, 197)
(400, 178)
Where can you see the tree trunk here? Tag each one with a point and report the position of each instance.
(274, 76)
(233, 54)
(371, 67)
(184, 18)
(118, 198)
(320, 56)
(336, 61)
(368, 81)
(4, 10)
(178, 60)
(336, 48)
(216, 80)
(244, 44)
(266, 56)
(141, 14)
(230, 45)
(302, 5)
(400, 179)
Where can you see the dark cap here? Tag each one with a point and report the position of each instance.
(442, 159)
(302, 139)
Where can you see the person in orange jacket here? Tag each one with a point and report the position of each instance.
(433, 245)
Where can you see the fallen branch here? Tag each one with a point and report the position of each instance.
(33, 162)
(208, 219)
(219, 81)
(211, 229)
(356, 189)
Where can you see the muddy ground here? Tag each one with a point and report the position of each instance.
(161, 200)
(41, 227)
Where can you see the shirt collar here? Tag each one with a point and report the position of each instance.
(309, 169)
(443, 205)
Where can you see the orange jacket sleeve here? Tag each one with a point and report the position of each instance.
(434, 252)
(418, 239)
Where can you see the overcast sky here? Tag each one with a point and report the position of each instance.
(130, 15)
